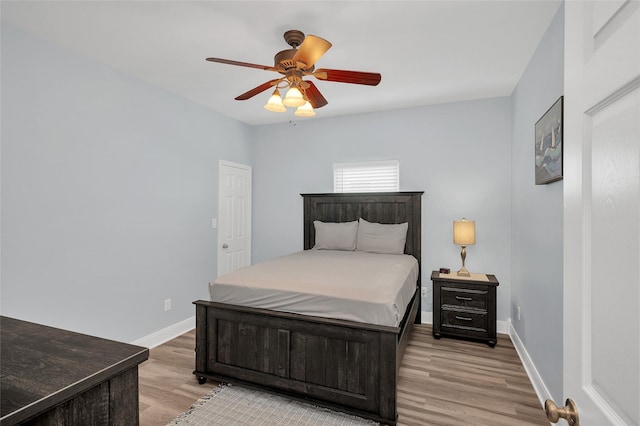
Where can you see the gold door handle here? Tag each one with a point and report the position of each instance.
(569, 412)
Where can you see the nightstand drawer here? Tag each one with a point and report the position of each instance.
(472, 321)
(467, 298)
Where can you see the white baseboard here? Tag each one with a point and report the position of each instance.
(166, 334)
(502, 327)
(536, 380)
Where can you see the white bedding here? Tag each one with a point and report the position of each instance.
(351, 285)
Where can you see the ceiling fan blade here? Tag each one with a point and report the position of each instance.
(314, 96)
(241, 64)
(256, 90)
(311, 49)
(342, 76)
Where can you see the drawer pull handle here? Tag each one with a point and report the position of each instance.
(463, 318)
(463, 298)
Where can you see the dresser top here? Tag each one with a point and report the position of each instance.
(43, 366)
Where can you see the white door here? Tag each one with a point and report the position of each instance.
(602, 211)
(234, 217)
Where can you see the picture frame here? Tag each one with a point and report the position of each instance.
(548, 144)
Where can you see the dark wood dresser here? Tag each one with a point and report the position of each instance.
(57, 377)
(464, 307)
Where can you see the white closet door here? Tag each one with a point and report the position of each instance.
(234, 217)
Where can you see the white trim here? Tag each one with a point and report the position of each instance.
(166, 334)
(602, 403)
(534, 376)
(427, 317)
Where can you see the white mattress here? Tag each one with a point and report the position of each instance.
(350, 285)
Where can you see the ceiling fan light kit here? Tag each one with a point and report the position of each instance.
(294, 97)
(305, 110)
(274, 104)
(294, 64)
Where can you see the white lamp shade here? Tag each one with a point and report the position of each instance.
(305, 110)
(464, 232)
(275, 103)
(294, 98)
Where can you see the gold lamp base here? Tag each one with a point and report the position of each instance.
(463, 271)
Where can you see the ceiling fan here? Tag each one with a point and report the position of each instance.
(295, 64)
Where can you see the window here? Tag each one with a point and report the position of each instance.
(367, 176)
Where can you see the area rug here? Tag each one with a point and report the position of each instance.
(236, 405)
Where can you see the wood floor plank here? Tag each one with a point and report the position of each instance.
(441, 382)
(167, 384)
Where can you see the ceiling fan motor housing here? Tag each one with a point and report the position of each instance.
(284, 60)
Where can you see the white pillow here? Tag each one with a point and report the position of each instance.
(380, 238)
(335, 236)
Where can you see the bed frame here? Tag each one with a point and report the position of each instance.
(344, 365)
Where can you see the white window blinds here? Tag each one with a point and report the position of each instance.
(368, 176)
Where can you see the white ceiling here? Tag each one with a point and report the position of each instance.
(428, 52)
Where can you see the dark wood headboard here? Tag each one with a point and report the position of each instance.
(380, 207)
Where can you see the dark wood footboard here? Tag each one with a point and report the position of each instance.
(348, 366)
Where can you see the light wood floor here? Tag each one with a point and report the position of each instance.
(442, 382)
(167, 384)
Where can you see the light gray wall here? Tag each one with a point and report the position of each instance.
(537, 215)
(109, 186)
(108, 190)
(458, 153)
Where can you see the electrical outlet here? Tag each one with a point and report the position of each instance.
(518, 312)
(167, 305)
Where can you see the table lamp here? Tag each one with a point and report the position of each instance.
(464, 234)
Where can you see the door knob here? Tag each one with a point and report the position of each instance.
(569, 412)
(225, 245)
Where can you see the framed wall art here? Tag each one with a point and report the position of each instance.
(548, 145)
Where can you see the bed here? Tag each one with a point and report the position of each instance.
(348, 365)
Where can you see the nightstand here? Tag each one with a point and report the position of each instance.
(465, 306)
